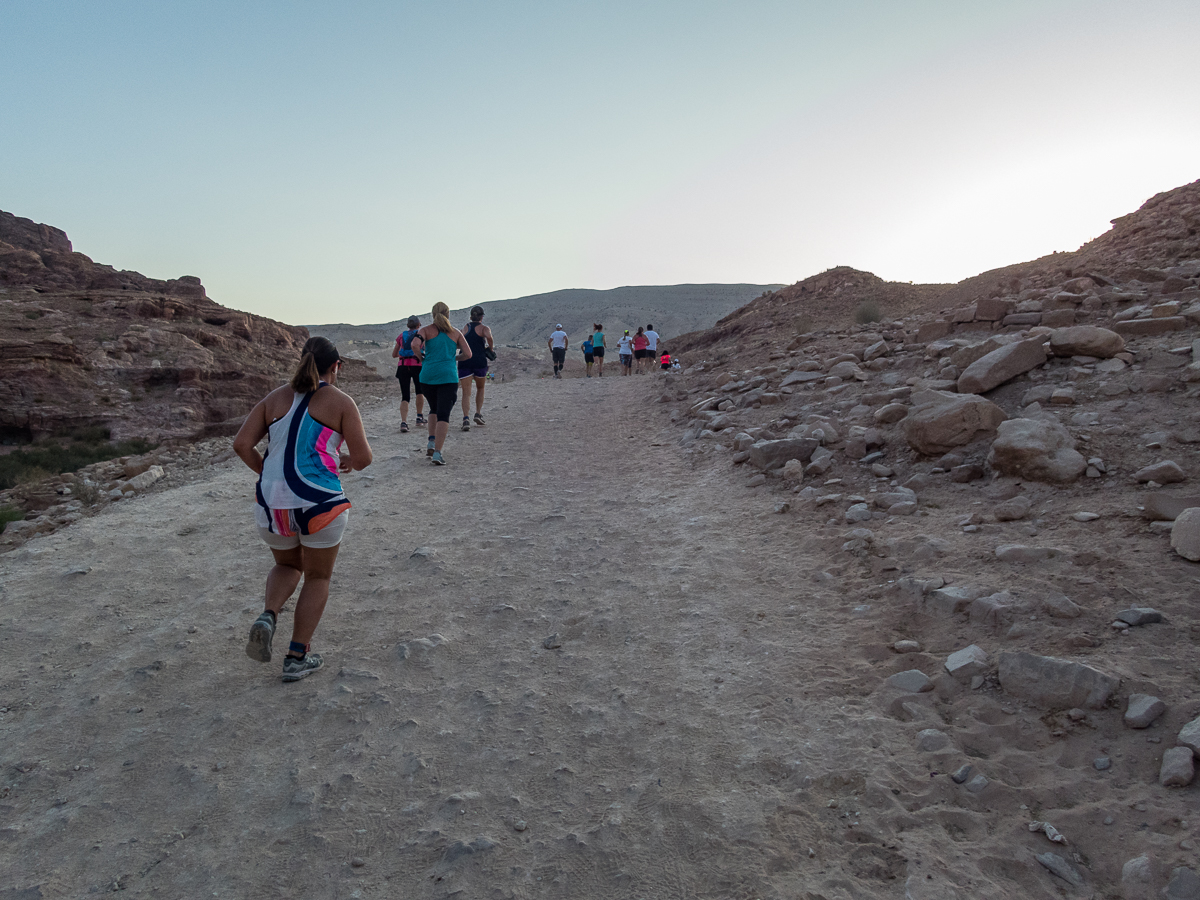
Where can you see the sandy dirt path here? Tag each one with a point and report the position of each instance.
(700, 726)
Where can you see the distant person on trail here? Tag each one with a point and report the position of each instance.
(443, 347)
(641, 351)
(302, 510)
(625, 351)
(479, 339)
(598, 348)
(652, 347)
(665, 360)
(588, 357)
(558, 344)
(408, 370)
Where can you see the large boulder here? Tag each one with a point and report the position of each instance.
(1001, 365)
(1086, 340)
(1056, 683)
(775, 454)
(1038, 450)
(940, 421)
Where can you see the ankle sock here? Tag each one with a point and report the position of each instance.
(298, 648)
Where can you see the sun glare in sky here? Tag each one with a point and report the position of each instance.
(356, 163)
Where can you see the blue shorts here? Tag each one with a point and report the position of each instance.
(468, 370)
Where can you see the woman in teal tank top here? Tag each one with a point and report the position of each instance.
(443, 349)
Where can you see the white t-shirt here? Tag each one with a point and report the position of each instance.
(558, 340)
(652, 337)
(625, 346)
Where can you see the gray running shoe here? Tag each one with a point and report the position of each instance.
(258, 645)
(479, 419)
(430, 447)
(466, 426)
(294, 669)
(437, 458)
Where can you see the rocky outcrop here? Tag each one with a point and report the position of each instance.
(85, 345)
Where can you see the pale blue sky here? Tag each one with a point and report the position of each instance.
(356, 162)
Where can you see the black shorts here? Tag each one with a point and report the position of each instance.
(442, 398)
(598, 352)
(406, 375)
(589, 358)
(641, 354)
(559, 354)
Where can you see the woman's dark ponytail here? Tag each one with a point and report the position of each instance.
(319, 356)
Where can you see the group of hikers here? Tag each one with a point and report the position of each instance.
(637, 353)
(315, 434)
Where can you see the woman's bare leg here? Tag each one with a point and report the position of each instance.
(479, 383)
(283, 578)
(318, 570)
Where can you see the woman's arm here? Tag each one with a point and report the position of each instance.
(487, 333)
(360, 455)
(464, 349)
(253, 430)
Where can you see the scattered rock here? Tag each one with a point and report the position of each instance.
(940, 421)
(1001, 365)
(1060, 867)
(977, 784)
(1162, 507)
(1020, 554)
(1184, 884)
(931, 740)
(1036, 449)
(966, 663)
(1142, 710)
(1085, 516)
(890, 414)
(1059, 606)
(1013, 510)
(953, 599)
(1086, 340)
(553, 642)
(1101, 763)
(1185, 534)
(1139, 615)
(859, 512)
(1056, 683)
(1178, 767)
(907, 647)
(1189, 736)
(962, 773)
(774, 454)
(1165, 472)
(914, 681)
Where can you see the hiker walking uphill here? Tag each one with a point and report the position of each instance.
(302, 510)
(598, 348)
(558, 344)
(408, 370)
(625, 352)
(443, 348)
(475, 369)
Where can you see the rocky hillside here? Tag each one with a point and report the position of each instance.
(87, 345)
(1006, 491)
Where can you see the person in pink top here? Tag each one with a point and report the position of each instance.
(640, 353)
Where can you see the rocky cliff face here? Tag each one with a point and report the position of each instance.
(84, 345)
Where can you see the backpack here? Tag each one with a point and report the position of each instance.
(406, 339)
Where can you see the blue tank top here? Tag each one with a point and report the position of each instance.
(439, 366)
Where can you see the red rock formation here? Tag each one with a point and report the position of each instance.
(84, 344)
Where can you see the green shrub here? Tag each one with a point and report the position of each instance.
(10, 514)
(868, 311)
(54, 457)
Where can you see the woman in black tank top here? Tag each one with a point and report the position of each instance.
(479, 338)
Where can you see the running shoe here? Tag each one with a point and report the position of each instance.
(479, 419)
(258, 645)
(437, 458)
(466, 426)
(430, 447)
(295, 668)
(420, 419)
(404, 428)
